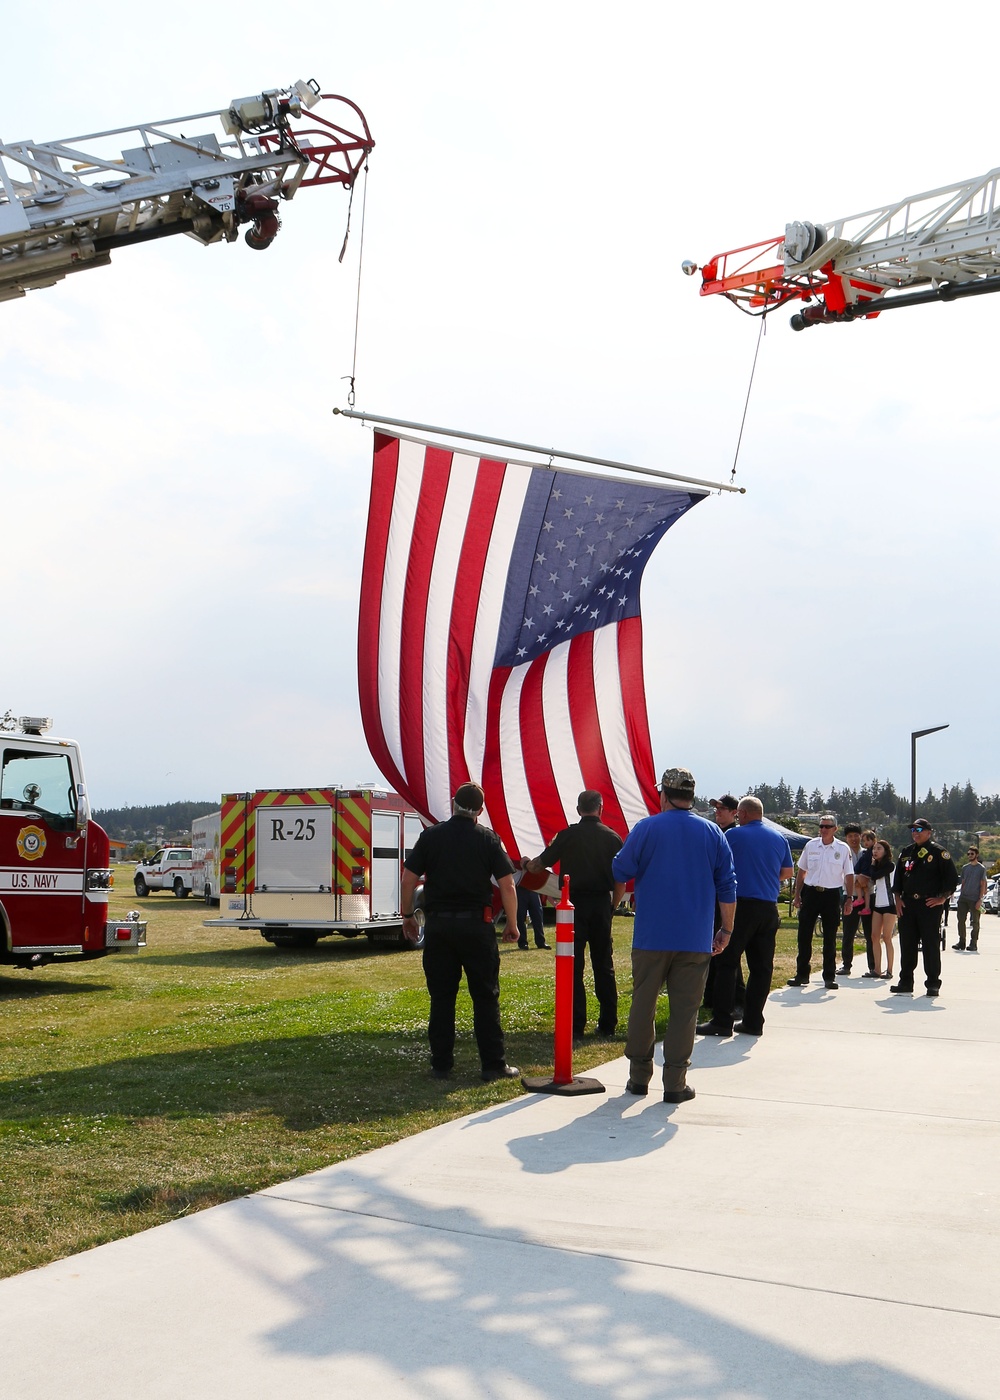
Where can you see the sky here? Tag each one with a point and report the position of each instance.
(183, 516)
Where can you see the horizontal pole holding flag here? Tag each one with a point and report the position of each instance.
(542, 451)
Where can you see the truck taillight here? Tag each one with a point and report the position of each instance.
(124, 935)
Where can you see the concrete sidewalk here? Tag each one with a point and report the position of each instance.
(821, 1221)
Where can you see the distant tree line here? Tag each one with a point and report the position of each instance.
(878, 804)
(140, 824)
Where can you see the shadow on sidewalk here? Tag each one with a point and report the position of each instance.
(454, 1306)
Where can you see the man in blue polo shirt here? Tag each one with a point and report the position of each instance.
(681, 865)
(763, 858)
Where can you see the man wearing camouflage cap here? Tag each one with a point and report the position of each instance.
(681, 865)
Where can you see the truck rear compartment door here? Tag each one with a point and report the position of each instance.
(294, 848)
(385, 863)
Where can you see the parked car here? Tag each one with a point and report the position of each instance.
(991, 904)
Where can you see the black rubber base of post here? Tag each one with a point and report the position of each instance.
(577, 1085)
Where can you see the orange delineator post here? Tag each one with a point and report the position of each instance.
(565, 953)
(563, 1080)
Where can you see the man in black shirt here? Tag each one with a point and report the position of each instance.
(584, 852)
(923, 881)
(459, 859)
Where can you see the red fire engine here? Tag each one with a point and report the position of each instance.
(54, 860)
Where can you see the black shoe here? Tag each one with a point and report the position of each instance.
(601, 1034)
(871, 974)
(543, 945)
(440, 1073)
(678, 1095)
(523, 947)
(932, 991)
(958, 947)
(742, 1029)
(639, 1090)
(797, 982)
(901, 990)
(831, 986)
(502, 1072)
(711, 1028)
(973, 947)
(844, 971)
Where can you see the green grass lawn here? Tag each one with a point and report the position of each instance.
(143, 1086)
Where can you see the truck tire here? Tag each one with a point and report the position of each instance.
(207, 893)
(181, 890)
(141, 888)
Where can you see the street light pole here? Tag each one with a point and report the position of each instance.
(917, 734)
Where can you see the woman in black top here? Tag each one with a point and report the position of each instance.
(883, 906)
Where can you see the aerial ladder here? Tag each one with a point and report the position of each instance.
(67, 205)
(941, 245)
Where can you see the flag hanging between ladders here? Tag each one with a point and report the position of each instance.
(500, 639)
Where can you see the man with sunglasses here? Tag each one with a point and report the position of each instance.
(924, 880)
(824, 888)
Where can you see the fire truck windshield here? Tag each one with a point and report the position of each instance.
(39, 782)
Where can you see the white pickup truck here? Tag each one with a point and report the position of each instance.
(167, 869)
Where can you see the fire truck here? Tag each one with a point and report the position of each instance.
(55, 871)
(300, 864)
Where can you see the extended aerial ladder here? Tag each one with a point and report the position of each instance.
(66, 205)
(938, 246)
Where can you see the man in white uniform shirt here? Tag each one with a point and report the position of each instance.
(824, 888)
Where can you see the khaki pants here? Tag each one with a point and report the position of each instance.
(684, 975)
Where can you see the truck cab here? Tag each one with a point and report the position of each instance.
(166, 869)
(54, 860)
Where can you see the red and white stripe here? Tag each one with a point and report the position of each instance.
(436, 711)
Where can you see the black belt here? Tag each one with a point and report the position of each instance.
(823, 889)
(458, 914)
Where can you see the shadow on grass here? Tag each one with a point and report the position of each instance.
(174, 1200)
(342, 950)
(18, 988)
(307, 1081)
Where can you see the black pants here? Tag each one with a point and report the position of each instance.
(919, 926)
(824, 905)
(592, 925)
(866, 928)
(453, 946)
(529, 906)
(852, 922)
(709, 998)
(754, 931)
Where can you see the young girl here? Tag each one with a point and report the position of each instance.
(883, 907)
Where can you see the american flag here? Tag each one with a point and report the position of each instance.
(500, 639)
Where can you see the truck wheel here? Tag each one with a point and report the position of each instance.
(207, 895)
(181, 890)
(141, 888)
